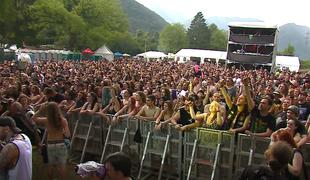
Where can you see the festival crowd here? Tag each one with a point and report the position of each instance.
(44, 95)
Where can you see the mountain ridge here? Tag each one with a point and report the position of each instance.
(142, 18)
(151, 21)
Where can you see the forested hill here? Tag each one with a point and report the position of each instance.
(142, 18)
(296, 35)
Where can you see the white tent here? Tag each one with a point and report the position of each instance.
(105, 52)
(185, 54)
(23, 57)
(152, 55)
(290, 62)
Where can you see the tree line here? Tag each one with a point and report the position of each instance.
(77, 24)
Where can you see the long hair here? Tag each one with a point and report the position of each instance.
(54, 115)
(286, 137)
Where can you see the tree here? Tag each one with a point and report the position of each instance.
(77, 24)
(123, 42)
(289, 51)
(173, 38)
(146, 41)
(14, 21)
(198, 33)
(218, 39)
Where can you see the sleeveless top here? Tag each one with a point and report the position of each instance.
(289, 175)
(23, 167)
(235, 119)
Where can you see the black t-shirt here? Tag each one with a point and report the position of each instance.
(260, 124)
(185, 117)
(260, 173)
(304, 111)
(281, 120)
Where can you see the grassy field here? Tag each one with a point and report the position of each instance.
(39, 170)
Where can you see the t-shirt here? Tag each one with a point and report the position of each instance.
(260, 124)
(304, 111)
(281, 120)
(185, 117)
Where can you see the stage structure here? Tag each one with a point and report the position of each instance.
(252, 43)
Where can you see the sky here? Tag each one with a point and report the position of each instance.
(271, 11)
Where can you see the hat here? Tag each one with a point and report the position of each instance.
(294, 109)
(10, 122)
(276, 92)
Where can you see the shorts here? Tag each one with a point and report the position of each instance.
(57, 153)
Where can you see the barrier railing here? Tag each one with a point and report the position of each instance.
(87, 135)
(159, 157)
(203, 156)
(169, 153)
(250, 151)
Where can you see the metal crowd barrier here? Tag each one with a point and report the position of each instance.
(162, 150)
(250, 151)
(208, 154)
(87, 135)
(120, 135)
(168, 153)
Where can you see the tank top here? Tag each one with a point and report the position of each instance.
(23, 167)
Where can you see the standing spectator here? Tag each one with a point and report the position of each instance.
(281, 118)
(16, 155)
(118, 167)
(149, 111)
(68, 103)
(165, 114)
(277, 156)
(213, 117)
(262, 122)
(57, 130)
(304, 107)
(91, 106)
(238, 117)
(295, 166)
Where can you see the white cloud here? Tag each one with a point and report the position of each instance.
(273, 11)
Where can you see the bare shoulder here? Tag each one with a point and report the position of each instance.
(9, 156)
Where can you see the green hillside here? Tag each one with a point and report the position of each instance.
(296, 35)
(142, 18)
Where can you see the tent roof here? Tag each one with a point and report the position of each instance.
(152, 54)
(201, 53)
(288, 61)
(103, 50)
(252, 25)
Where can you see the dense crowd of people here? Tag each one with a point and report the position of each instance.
(256, 102)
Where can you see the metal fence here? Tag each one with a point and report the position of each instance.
(167, 153)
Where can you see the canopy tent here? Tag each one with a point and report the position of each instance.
(126, 55)
(105, 52)
(118, 54)
(185, 54)
(87, 51)
(24, 57)
(290, 62)
(152, 55)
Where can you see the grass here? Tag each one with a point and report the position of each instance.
(39, 169)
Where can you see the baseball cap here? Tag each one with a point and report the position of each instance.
(294, 109)
(10, 122)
